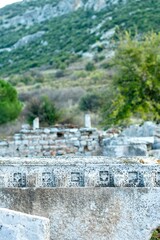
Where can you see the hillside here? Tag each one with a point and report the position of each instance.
(62, 48)
(53, 34)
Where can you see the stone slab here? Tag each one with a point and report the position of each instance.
(20, 226)
(90, 213)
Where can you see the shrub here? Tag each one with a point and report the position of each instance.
(43, 108)
(59, 74)
(90, 102)
(10, 106)
(90, 66)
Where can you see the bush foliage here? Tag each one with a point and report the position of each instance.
(10, 106)
(90, 102)
(136, 81)
(43, 108)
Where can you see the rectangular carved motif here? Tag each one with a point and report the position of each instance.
(19, 179)
(106, 179)
(158, 179)
(135, 179)
(77, 179)
(47, 179)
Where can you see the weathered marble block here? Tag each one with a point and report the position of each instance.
(18, 226)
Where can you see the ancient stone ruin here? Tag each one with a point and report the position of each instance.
(20, 226)
(52, 142)
(134, 141)
(95, 198)
(59, 141)
(55, 173)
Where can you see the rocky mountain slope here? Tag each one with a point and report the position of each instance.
(55, 33)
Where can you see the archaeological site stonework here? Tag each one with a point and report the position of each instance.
(85, 198)
(56, 174)
(59, 141)
(52, 142)
(20, 226)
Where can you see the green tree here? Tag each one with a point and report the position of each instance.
(136, 82)
(90, 102)
(43, 108)
(10, 106)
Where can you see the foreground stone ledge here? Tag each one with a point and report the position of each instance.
(18, 226)
(90, 213)
(79, 172)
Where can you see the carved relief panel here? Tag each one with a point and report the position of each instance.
(77, 179)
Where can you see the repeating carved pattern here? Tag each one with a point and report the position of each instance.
(19, 180)
(98, 175)
(47, 179)
(158, 179)
(77, 179)
(104, 178)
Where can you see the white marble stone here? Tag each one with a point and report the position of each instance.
(36, 123)
(87, 121)
(20, 226)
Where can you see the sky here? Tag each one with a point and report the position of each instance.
(5, 2)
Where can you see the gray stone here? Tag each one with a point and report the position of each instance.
(110, 214)
(156, 145)
(83, 143)
(146, 130)
(155, 153)
(25, 126)
(77, 143)
(125, 150)
(47, 130)
(15, 226)
(3, 144)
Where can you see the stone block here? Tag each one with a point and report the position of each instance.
(17, 136)
(128, 140)
(25, 131)
(31, 147)
(84, 137)
(77, 143)
(52, 136)
(54, 130)
(74, 139)
(16, 225)
(3, 144)
(156, 145)
(155, 153)
(25, 142)
(47, 130)
(42, 142)
(51, 141)
(60, 142)
(83, 143)
(125, 150)
(18, 142)
(146, 130)
(74, 130)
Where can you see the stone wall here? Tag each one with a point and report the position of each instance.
(134, 141)
(52, 142)
(94, 198)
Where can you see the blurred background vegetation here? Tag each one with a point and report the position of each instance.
(71, 62)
